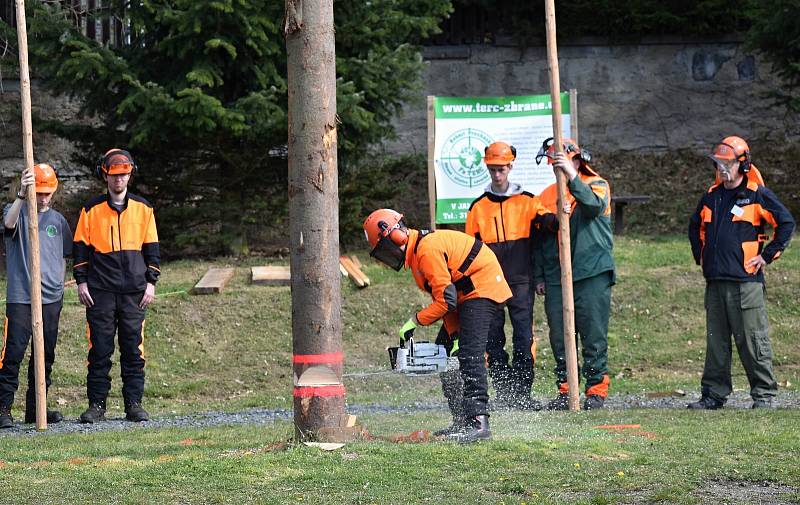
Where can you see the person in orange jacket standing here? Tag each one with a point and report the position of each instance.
(502, 217)
(463, 277)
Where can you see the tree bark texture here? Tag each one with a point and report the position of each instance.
(314, 217)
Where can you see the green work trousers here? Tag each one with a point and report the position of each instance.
(737, 309)
(592, 299)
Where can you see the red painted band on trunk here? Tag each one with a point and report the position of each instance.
(309, 391)
(318, 359)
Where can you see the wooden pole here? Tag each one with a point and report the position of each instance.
(319, 394)
(33, 222)
(431, 163)
(565, 251)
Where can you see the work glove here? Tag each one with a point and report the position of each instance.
(407, 331)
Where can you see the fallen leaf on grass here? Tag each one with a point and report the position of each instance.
(77, 461)
(187, 441)
(165, 458)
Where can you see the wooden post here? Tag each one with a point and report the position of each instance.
(565, 253)
(314, 218)
(431, 162)
(573, 115)
(33, 222)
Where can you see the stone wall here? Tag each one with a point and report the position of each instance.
(653, 97)
(74, 178)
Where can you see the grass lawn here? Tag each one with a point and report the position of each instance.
(233, 351)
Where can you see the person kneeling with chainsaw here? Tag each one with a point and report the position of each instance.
(463, 277)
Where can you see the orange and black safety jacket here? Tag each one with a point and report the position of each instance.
(453, 267)
(728, 229)
(116, 250)
(504, 223)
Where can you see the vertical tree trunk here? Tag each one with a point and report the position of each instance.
(314, 217)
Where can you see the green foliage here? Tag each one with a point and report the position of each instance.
(199, 96)
(776, 33)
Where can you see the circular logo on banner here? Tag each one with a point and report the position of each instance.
(462, 157)
(51, 230)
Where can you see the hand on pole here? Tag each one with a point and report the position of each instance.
(540, 289)
(28, 179)
(561, 162)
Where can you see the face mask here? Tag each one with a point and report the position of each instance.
(389, 253)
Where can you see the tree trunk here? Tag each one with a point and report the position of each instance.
(314, 217)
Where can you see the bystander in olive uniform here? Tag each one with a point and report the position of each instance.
(593, 274)
(727, 234)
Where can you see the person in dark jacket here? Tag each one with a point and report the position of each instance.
(727, 234)
(117, 265)
(502, 218)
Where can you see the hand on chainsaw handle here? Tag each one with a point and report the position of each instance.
(407, 330)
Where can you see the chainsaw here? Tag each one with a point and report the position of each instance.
(420, 358)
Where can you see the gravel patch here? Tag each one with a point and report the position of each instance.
(257, 417)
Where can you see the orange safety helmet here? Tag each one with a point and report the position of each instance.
(732, 148)
(46, 179)
(387, 235)
(115, 162)
(499, 153)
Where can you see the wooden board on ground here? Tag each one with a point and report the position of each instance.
(354, 272)
(213, 281)
(356, 261)
(271, 275)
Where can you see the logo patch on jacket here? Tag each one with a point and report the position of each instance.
(51, 230)
(743, 201)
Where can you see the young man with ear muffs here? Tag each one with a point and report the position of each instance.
(593, 273)
(727, 234)
(467, 288)
(117, 265)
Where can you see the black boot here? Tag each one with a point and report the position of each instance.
(96, 412)
(522, 374)
(593, 402)
(135, 413)
(706, 403)
(53, 416)
(560, 402)
(477, 429)
(453, 389)
(6, 421)
(500, 374)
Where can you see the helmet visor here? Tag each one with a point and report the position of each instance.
(543, 151)
(389, 253)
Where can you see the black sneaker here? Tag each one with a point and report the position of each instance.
(706, 403)
(96, 412)
(761, 404)
(53, 416)
(135, 413)
(477, 428)
(560, 402)
(6, 421)
(593, 402)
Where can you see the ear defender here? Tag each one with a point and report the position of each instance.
(102, 161)
(744, 161)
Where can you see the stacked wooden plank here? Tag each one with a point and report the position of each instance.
(351, 267)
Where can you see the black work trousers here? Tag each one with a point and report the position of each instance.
(17, 334)
(474, 318)
(517, 379)
(115, 313)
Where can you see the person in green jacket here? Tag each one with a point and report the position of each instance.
(589, 204)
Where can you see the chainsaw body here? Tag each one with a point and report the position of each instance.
(417, 358)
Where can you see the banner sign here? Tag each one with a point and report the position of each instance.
(465, 126)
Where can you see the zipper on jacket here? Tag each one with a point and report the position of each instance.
(496, 229)
(111, 233)
(502, 222)
(119, 230)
